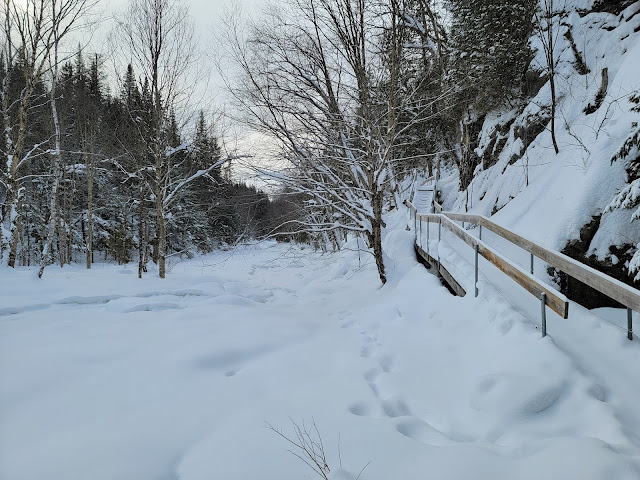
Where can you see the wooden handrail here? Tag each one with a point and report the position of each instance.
(555, 300)
(432, 177)
(615, 289)
(611, 287)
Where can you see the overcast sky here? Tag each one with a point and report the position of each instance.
(208, 94)
(206, 16)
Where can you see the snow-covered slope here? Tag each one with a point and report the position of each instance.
(549, 197)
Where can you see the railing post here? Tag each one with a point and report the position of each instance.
(439, 235)
(420, 233)
(415, 226)
(531, 264)
(480, 232)
(629, 324)
(428, 225)
(476, 279)
(543, 303)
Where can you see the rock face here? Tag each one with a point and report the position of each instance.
(577, 249)
(609, 6)
(562, 196)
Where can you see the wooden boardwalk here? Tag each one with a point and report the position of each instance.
(548, 295)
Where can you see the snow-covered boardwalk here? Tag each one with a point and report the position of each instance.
(104, 376)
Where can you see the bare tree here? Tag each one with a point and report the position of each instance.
(59, 11)
(158, 36)
(547, 34)
(311, 76)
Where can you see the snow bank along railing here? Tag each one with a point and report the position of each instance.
(548, 297)
(614, 289)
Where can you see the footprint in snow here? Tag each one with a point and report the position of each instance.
(361, 409)
(366, 352)
(421, 431)
(395, 407)
(599, 392)
(387, 363)
(372, 375)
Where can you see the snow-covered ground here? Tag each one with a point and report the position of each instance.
(105, 376)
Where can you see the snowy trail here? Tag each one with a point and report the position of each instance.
(594, 341)
(134, 379)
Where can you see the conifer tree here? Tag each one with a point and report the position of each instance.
(489, 56)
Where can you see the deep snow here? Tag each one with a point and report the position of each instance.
(105, 376)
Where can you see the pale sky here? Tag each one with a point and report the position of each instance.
(206, 15)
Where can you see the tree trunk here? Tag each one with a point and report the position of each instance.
(553, 109)
(549, 12)
(62, 228)
(375, 236)
(12, 220)
(161, 233)
(68, 221)
(89, 164)
(142, 240)
(13, 191)
(467, 165)
(53, 219)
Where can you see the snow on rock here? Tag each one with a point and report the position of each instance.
(548, 197)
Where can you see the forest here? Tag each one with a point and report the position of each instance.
(357, 95)
(328, 239)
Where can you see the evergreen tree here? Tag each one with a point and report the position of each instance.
(488, 58)
(490, 51)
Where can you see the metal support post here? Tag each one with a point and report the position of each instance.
(543, 303)
(629, 324)
(476, 282)
(439, 235)
(532, 264)
(415, 226)
(420, 233)
(480, 232)
(428, 225)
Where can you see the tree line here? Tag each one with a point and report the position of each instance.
(356, 94)
(90, 173)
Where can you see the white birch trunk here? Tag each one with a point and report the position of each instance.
(57, 154)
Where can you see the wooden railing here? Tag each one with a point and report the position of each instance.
(614, 289)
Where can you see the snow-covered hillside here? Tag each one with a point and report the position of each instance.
(546, 197)
(105, 376)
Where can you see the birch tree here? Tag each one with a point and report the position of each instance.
(32, 30)
(158, 36)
